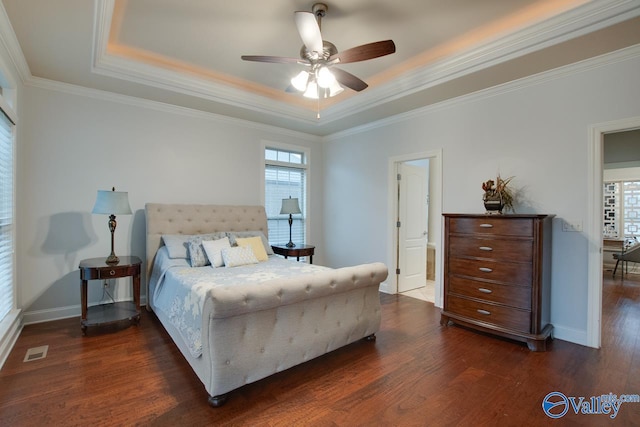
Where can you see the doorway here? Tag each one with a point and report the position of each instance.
(412, 224)
(595, 224)
(415, 232)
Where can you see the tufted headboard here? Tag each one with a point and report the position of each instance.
(198, 219)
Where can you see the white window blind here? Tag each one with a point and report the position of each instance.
(6, 216)
(285, 176)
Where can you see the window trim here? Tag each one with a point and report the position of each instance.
(11, 324)
(264, 144)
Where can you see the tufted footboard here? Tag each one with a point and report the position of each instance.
(254, 331)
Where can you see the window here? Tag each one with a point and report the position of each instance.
(621, 209)
(285, 175)
(6, 214)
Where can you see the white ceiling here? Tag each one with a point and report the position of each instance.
(187, 52)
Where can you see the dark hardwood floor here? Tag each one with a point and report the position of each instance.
(417, 373)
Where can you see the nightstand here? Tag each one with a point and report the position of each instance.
(296, 251)
(98, 269)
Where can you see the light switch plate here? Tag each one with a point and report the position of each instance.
(572, 225)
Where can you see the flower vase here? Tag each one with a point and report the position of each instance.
(493, 205)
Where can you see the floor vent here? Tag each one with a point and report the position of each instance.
(36, 353)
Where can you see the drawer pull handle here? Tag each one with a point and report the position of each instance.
(112, 273)
(485, 248)
(485, 269)
(483, 312)
(485, 290)
(486, 225)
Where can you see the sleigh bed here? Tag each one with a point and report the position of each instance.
(240, 323)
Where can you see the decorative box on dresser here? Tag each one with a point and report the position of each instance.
(497, 275)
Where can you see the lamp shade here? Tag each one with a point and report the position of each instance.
(112, 203)
(290, 206)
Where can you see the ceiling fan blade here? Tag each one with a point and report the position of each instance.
(309, 31)
(348, 79)
(273, 59)
(365, 51)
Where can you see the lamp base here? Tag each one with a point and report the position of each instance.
(290, 244)
(112, 259)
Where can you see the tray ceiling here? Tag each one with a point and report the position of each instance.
(187, 53)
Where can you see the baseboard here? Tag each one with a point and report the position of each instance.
(569, 334)
(40, 316)
(385, 288)
(10, 329)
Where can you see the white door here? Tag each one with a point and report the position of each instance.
(412, 230)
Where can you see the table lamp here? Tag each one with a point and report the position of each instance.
(111, 203)
(290, 206)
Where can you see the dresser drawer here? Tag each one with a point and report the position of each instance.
(505, 317)
(515, 296)
(499, 249)
(496, 226)
(505, 272)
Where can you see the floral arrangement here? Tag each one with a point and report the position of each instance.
(499, 190)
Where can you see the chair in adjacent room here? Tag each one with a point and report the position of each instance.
(630, 253)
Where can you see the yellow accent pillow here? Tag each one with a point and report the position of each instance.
(255, 243)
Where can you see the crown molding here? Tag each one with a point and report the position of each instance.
(149, 75)
(621, 55)
(587, 18)
(102, 95)
(590, 17)
(118, 67)
(10, 42)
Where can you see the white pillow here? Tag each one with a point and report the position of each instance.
(177, 244)
(238, 255)
(214, 248)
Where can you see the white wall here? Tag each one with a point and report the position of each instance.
(72, 145)
(536, 130)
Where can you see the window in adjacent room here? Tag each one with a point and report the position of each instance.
(621, 209)
(6, 212)
(285, 176)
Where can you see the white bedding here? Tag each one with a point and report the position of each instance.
(179, 290)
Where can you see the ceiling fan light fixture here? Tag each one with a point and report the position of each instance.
(325, 78)
(312, 91)
(319, 55)
(315, 91)
(300, 81)
(335, 88)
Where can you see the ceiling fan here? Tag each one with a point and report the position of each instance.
(322, 79)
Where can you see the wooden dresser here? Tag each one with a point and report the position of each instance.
(497, 275)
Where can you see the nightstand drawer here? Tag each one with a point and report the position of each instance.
(505, 272)
(115, 272)
(499, 249)
(496, 226)
(107, 272)
(515, 296)
(505, 317)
